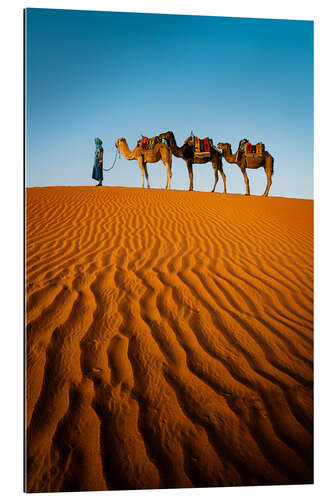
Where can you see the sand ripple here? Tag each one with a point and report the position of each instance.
(169, 339)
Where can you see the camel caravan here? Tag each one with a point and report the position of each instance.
(198, 151)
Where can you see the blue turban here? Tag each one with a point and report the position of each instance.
(98, 140)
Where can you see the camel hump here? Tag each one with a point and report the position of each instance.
(147, 143)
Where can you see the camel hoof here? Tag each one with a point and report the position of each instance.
(247, 194)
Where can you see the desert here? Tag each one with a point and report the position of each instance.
(169, 339)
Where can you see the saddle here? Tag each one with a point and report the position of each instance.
(254, 149)
(147, 143)
(202, 147)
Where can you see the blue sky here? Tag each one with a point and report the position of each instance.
(111, 74)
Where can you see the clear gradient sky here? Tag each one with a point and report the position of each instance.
(111, 75)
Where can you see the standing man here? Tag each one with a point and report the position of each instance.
(97, 172)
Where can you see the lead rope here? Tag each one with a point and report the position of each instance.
(114, 161)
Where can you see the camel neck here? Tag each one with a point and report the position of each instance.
(174, 148)
(124, 149)
(230, 158)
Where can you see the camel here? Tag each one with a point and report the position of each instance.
(159, 152)
(187, 153)
(244, 162)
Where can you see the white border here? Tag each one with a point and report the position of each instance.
(11, 210)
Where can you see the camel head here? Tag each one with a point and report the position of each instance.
(225, 146)
(121, 139)
(165, 135)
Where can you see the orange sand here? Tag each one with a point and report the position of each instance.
(169, 339)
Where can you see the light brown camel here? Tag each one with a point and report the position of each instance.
(186, 151)
(159, 152)
(244, 162)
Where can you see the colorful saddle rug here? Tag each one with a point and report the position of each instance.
(149, 143)
(202, 145)
(254, 149)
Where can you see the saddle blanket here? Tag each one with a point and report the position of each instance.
(254, 149)
(202, 145)
(149, 143)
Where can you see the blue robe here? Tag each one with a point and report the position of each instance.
(97, 172)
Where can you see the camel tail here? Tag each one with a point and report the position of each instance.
(272, 166)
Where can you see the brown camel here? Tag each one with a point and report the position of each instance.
(187, 153)
(243, 161)
(159, 152)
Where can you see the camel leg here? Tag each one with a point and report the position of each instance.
(224, 181)
(169, 174)
(146, 174)
(220, 169)
(216, 173)
(190, 174)
(140, 162)
(246, 179)
(268, 171)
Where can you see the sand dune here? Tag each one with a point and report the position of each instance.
(169, 339)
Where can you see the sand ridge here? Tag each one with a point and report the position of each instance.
(168, 339)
